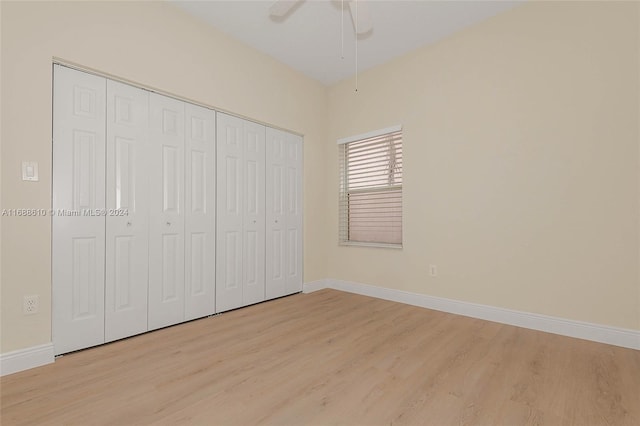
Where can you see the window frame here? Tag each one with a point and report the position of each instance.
(344, 222)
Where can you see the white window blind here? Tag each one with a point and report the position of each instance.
(371, 188)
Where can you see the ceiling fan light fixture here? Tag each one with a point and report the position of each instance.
(360, 16)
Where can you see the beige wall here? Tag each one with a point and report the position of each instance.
(521, 164)
(150, 43)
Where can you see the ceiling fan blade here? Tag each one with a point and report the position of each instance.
(281, 7)
(360, 16)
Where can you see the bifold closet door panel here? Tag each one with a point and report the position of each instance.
(229, 208)
(294, 176)
(275, 214)
(240, 213)
(127, 226)
(283, 213)
(166, 211)
(200, 212)
(253, 233)
(78, 225)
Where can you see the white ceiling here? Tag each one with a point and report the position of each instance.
(309, 39)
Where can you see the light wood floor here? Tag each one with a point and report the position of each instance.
(333, 358)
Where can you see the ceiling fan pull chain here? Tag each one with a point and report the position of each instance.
(342, 30)
(356, 45)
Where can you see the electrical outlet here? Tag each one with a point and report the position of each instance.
(30, 305)
(433, 270)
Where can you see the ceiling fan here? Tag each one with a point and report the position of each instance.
(360, 16)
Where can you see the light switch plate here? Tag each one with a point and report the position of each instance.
(30, 171)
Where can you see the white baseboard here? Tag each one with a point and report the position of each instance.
(24, 359)
(582, 330)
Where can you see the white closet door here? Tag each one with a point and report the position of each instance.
(166, 210)
(240, 213)
(293, 210)
(283, 214)
(253, 239)
(229, 208)
(78, 200)
(127, 231)
(200, 212)
(275, 214)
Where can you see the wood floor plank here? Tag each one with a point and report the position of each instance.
(332, 358)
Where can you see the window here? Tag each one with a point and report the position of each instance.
(371, 188)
